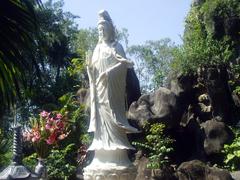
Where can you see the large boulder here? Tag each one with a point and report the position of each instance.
(197, 170)
(160, 106)
(165, 105)
(216, 82)
(143, 173)
(216, 135)
(132, 87)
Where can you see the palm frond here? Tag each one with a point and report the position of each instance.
(18, 26)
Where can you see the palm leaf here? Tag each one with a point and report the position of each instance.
(18, 26)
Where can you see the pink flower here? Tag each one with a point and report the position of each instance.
(62, 136)
(44, 114)
(51, 139)
(34, 139)
(59, 116)
(36, 136)
(48, 126)
(59, 124)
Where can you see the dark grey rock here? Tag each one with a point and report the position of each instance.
(143, 173)
(197, 170)
(166, 173)
(216, 82)
(159, 105)
(132, 87)
(216, 135)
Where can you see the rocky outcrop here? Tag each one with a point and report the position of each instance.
(197, 170)
(132, 87)
(164, 105)
(190, 170)
(216, 83)
(195, 110)
(216, 135)
(160, 106)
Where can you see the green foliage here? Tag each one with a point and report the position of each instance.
(156, 144)
(217, 11)
(236, 78)
(77, 70)
(18, 25)
(237, 90)
(86, 40)
(5, 152)
(204, 45)
(53, 54)
(152, 61)
(30, 161)
(232, 152)
(77, 116)
(5, 158)
(61, 163)
(203, 52)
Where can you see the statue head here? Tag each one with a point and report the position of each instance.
(106, 29)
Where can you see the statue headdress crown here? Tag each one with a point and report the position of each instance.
(104, 16)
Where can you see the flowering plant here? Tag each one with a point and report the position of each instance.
(46, 131)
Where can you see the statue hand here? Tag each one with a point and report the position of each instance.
(129, 63)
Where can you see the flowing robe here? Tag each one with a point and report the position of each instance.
(107, 76)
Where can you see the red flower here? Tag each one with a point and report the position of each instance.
(47, 130)
(59, 124)
(52, 138)
(48, 126)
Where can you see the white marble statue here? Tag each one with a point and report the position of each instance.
(107, 74)
(107, 70)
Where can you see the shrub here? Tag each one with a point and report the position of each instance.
(204, 44)
(157, 145)
(232, 152)
(61, 164)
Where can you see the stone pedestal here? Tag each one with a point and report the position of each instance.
(110, 165)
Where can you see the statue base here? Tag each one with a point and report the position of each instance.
(110, 165)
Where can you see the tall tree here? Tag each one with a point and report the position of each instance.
(152, 61)
(18, 24)
(54, 52)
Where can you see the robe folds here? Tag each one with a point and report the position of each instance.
(107, 76)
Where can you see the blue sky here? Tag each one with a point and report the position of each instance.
(144, 19)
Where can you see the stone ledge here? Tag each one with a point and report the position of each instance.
(110, 174)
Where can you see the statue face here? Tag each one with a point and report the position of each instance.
(104, 32)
